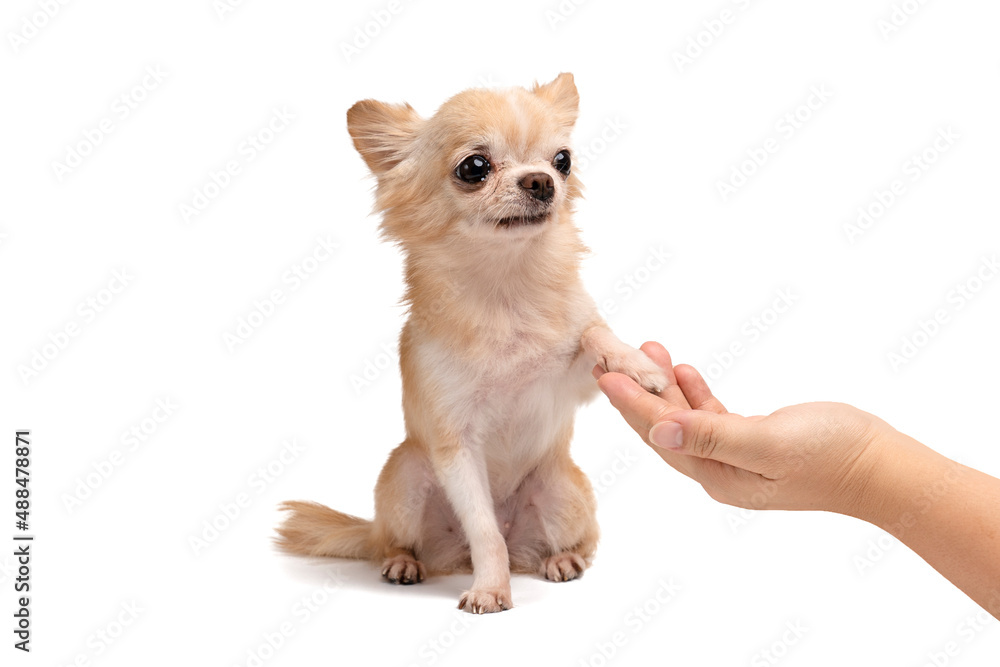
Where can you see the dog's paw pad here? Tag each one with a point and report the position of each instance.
(485, 601)
(403, 569)
(563, 567)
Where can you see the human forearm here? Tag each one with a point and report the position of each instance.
(947, 513)
(823, 456)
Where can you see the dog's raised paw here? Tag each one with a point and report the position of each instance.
(635, 364)
(485, 601)
(563, 567)
(403, 569)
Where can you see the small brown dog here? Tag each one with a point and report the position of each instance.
(496, 354)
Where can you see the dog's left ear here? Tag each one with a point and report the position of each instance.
(561, 94)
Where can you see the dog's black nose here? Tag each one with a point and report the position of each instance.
(539, 186)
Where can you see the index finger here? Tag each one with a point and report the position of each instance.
(641, 410)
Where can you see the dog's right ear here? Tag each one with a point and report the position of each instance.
(382, 133)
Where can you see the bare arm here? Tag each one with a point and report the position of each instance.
(948, 513)
(824, 456)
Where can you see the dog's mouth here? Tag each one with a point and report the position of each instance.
(523, 220)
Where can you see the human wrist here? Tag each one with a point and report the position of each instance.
(894, 476)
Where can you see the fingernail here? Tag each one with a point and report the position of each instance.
(667, 435)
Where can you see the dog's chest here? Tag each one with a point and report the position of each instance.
(511, 383)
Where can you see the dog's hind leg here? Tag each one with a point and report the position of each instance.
(550, 524)
(416, 531)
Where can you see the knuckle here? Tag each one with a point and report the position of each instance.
(706, 439)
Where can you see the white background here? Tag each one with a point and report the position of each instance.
(661, 136)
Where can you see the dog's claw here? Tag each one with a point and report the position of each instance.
(485, 602)
(565, 566)
(403, 569)
(639, 367)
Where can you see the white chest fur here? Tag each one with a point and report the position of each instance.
(512, 402)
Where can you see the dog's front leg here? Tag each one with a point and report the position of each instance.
(466, 484)
(605, 349)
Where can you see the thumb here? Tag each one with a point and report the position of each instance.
(728, 438)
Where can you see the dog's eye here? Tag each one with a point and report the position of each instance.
(473, 169)
(562, 162)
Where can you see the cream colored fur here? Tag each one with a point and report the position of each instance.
(495, 357)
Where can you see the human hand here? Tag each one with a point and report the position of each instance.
(823, 456)
(814, 456)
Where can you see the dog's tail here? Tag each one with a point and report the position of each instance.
(316, 530)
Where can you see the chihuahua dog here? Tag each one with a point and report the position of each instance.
(496, 354)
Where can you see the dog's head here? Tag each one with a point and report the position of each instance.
(488, 164)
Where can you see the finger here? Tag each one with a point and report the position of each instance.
(729, 438)
(597, 372)
(724, 482)
(689, 466)
(641, 410)
(696, 390)
(672, 392)
(659, 355)
(731, 485)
